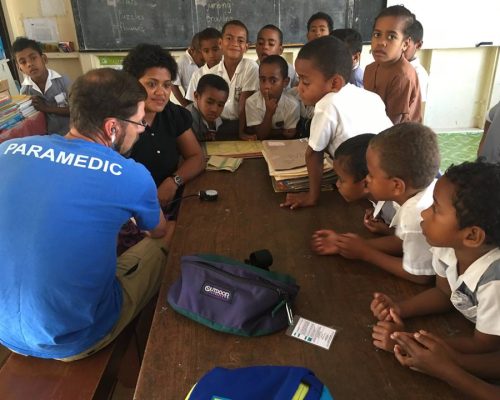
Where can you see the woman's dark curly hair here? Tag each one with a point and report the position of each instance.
(477, 197)
(145, 56)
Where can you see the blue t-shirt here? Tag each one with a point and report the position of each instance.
(62, 204)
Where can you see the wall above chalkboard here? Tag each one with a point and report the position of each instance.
(112, 25)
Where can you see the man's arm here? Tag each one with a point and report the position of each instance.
(159, 230)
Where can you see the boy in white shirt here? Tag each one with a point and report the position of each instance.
(271, 111)
(270, 42)
(189, 62)
(416, 32)
(210, 46)
(402, 163)
(463, 227)
(342, 110)
(242, 76)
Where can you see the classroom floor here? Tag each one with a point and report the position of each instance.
(457, 147)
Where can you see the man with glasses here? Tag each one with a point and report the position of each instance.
(64, 292)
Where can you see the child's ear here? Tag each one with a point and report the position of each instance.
(45, 59)
(398, 186)
(196, 95)
(281, 49)
(365, 186)
(406, 43)
(355, 58)
(418, 45)
(337, 83)
(286, 81)
(474, 236)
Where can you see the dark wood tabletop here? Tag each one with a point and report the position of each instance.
(333, 291)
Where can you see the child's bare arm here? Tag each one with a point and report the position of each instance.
(426, 353)
(431, 301)
(477, 343)
(388, 244)
(354, 247)
(314, 162)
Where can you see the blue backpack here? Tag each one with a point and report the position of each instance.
(262, 382)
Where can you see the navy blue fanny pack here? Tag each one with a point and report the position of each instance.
(233, 297)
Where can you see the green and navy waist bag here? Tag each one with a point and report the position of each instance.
(263, 382)
(233, 297)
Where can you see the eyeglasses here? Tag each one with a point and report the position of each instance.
(143, 123)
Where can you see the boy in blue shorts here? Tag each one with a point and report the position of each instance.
(463, 227)
(402, 163)
(341, 110)
(48, 89)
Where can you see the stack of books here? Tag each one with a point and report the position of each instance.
(25, 105)
(9, 112)
(287, 166)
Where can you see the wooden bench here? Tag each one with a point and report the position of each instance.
(26, 378)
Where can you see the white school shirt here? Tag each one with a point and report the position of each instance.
(185, 69)
(349, 112)
(286, 116)
(475, 293)
(423, 77)
(417, 258)
(195, 78)
(245, 79)
(294, 79)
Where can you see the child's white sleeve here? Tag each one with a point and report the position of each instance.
(250, 81)
(253, 114)
(193, 83)
(292, 113)
(322, 129)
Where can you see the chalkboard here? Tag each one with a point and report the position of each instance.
(112, 25)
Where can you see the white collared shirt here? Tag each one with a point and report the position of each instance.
(423, 77)
(349, 112)
(185, 69)
(195, 78)
(475, 293)
(245, 79)
(48, 84)
(286, 116)
(416, 251)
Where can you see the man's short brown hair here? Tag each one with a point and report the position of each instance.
(408, 151)
(100, 94)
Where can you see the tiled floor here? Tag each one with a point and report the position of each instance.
(457, 147)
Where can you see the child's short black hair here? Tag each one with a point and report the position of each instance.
(213, 81)
(21, 43)
(277, 60)
(351, 37)
(477, 197)
(208, 34)
(400, 12)
(352, 155)
(330, 55)
(195, 41)
(416, 31)
(274, 28)
(145, 56)
(408, 151)
(321, 15)
(235, 22)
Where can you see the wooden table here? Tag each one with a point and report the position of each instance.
(334, 291)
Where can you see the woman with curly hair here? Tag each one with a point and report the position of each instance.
(168, 135)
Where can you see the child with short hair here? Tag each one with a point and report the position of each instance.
(210, 97)
(188, 63)
(402, 163)
(416, 32)
(352, 38)
(349, 164)
(271, 111)
(319, 24)
(463, 227)
(48, 90)
(210, 46)
(391, 76)
(342, 110)
(241, 74)
(270, 42)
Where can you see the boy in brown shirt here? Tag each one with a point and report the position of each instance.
(391, 76)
